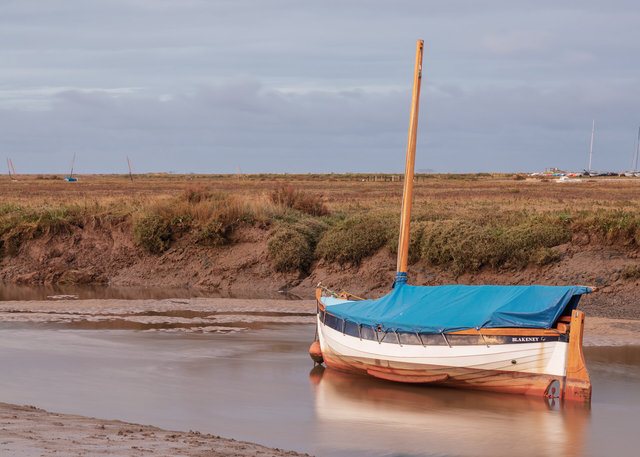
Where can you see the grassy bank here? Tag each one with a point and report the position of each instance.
(462, 224)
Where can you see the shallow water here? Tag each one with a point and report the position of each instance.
(258, 385)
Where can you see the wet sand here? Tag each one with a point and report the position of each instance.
(212, 315)
(29, 431)
(193, 315)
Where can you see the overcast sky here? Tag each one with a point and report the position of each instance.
(206, 86)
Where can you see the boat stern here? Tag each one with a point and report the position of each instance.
(578, 383)
(315, 350)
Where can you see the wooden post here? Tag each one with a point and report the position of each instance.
(407, 196)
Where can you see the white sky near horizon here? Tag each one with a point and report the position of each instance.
(291, 86)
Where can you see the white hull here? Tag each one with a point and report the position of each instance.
(542, 358)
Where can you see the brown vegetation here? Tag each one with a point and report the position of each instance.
(462, 224)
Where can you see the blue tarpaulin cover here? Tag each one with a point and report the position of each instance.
(449, 308)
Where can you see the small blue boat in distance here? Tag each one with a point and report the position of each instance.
(70, 178)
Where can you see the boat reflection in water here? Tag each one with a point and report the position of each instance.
(357, 413)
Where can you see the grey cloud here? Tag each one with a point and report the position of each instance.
(297, 86)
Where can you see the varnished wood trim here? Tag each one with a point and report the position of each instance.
(576, 367)
(578, 383)
(507, 331)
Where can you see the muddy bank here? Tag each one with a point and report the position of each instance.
(109, 255)
(29, 431)
(225, 315)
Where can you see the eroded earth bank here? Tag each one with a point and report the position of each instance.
(245, 267)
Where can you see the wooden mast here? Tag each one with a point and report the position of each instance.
(593, 127)
(73, 162)
(129, 164)
(407, 196)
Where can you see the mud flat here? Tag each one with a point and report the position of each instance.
(29, 431)
(196, 315)
(223, 315)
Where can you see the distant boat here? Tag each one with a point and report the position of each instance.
(512, 339)
(593, 127)
(566, 178)
(70, 178)
(634, 159)
(12, 170)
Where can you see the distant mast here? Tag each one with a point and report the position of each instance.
(634, 162)
(73, 162)
(407, 196)
(129, 164)
(593, 127)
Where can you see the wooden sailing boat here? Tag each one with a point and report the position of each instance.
(12, 170)
(634, 159)
(593, 128)
(70, 178)
(517, 339)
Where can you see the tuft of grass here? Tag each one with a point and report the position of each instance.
(196, 194)
(289, 197)
(213, 233)
(292, 245)
(152, 233)
(353, 240)
(461, 245)
(631, 271)
(545, 256)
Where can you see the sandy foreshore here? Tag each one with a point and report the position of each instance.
(26, 431)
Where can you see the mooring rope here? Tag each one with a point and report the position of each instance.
(342, 294)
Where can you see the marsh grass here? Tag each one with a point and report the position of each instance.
(467, 246)
(211, 217)
(290, 197)
(461, 222)
(22, 223)
(352, 240)
(631, 271)
(152, 232)
(292, 244)
(620, 225)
